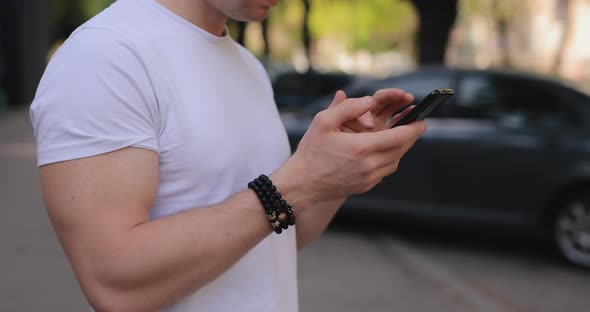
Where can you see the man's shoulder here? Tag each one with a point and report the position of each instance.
(95, 45)
(123, 21)
(119, 29)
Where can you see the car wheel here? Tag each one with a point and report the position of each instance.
(571, 231)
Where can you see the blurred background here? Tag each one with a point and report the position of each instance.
(490, 211)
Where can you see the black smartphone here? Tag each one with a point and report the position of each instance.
(425, 107)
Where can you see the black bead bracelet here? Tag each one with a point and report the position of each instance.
(278, 211)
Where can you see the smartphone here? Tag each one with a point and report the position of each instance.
(425, 107)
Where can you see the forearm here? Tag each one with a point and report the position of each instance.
(311, 226)
(159, 262)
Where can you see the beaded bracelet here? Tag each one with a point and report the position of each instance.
(278, 211)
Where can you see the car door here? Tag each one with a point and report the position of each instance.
(491, 152)
(409, 188)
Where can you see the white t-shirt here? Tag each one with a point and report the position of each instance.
(139, 75)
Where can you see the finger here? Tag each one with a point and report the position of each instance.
(392, 138)
(339, 97)
(388, 157)
(377, 175)
(384, 158)
(388, 161)
(354, 126)
(407, 100)
(388, 100)
(366, 121)
(348, 110)
(362, 124)
(399, 116)
(386, 170)
(349, 129)
(404, 149)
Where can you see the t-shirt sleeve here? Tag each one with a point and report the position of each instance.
(95, 97)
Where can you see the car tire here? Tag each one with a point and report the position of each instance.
(571, 230)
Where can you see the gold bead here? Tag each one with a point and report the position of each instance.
(283, 216)
(271, 216)
(276, 225)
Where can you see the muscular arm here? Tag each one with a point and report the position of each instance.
(100, 209)
(124, 261)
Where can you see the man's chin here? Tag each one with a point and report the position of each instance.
(257, 15)
(258, 19)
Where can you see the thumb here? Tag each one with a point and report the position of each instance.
(338, 98)
(349, 109)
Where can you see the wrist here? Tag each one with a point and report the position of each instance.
(293, 188)
(278, 211)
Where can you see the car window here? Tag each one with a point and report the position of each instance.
(477, 97)
(570, 102)
(295, 91)
(512, 100)
(533, 102)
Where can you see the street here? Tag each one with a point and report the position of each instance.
(354, 267)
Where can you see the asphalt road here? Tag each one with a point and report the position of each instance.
(356, 266)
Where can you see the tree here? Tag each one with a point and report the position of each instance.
(569, 13)
(306, 34)
(436, 20)
(66, 16)
(242, 37)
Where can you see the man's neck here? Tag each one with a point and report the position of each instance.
(198, 12)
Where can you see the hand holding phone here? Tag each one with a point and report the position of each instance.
(425, 107)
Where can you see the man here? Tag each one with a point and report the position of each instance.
(151, 122)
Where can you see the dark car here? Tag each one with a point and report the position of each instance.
(507, 149)
(294, 91)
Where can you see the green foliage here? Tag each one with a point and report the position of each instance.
(470, 7)
(85, 9)
(376, 25)
(92, 7)
(360, 24)
(495, 9)
(66, 15)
